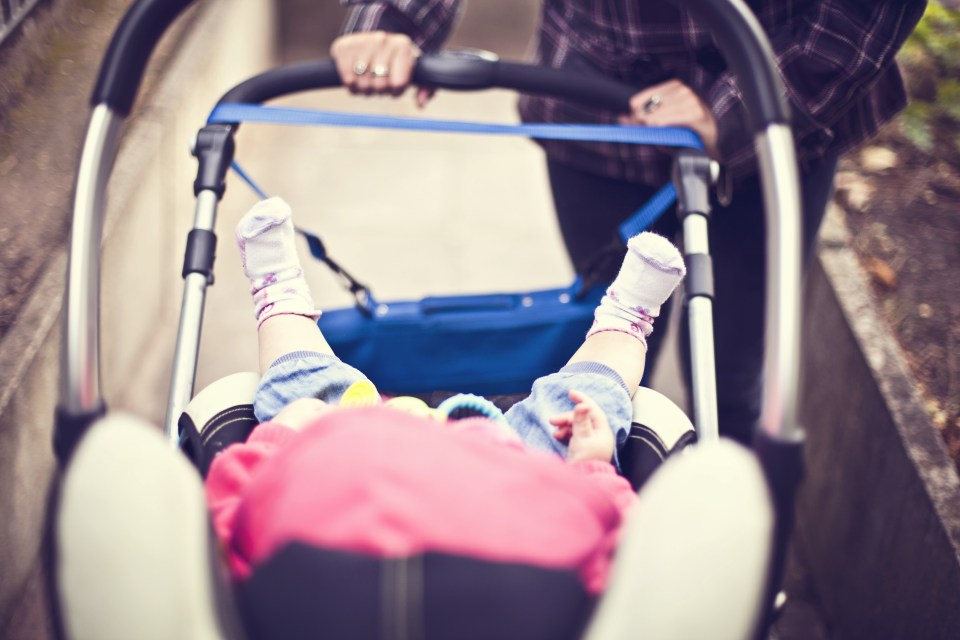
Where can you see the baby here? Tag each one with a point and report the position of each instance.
(333, 467)
(604, 372)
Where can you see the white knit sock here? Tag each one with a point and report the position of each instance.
(268, 253)
(651, 270)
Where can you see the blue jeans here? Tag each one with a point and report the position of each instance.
(306, 374)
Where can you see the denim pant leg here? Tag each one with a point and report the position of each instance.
(549, 397)
(302, 374)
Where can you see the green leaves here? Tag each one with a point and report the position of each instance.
(936, 35)
(914, 124)
(931, 63)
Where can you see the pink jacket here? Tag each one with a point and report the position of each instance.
(378, 481)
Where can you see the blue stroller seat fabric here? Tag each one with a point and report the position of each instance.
(488, 344)
(494, 344)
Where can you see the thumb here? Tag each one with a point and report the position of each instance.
(582, 422)
(423, 96)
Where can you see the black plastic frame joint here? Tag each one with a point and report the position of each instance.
(699, 281)
(69, 429)
(782, 462)
(214, 149)
(200, 253)
(691, 174)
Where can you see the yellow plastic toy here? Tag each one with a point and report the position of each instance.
(360, 394)
(364, 394)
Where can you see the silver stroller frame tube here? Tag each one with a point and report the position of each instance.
(693, 173)
(700, 319)
(779, 441)
(80, 392)
(79, 388)
(191, 320)
(80, 400)
(781, 193)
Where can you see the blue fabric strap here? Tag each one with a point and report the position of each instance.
(240, 171)
(649, 212)
(657, 136)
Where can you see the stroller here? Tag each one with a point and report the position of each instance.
(656, 577)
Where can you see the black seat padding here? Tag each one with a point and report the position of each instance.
(307, 592)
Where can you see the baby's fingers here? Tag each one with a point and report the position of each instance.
(582, 419)
(562, 419)
(582, 411)
(580, 399)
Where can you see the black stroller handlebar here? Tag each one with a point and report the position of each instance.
(130, 48)
(447, 70)
(735, 28)
(748, 53)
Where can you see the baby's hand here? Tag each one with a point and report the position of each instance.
(301, 413)
(587, 428)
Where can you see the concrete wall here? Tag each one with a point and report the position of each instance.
(150, 209)
(879, 509)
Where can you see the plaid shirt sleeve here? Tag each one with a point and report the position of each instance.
(427, 22)
(828, 58)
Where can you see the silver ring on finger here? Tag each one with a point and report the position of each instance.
(360, 68)
(380, 71)
(652, 104)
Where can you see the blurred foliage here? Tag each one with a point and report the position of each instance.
(931, 63)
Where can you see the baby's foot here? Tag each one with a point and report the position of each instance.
(651, 270)
(268, 253)
(265, 237)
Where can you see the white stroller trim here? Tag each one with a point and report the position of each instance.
(133, 540)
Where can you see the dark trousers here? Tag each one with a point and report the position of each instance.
(589, 210)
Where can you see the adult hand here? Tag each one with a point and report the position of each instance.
(674, 104)
(377, 62)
